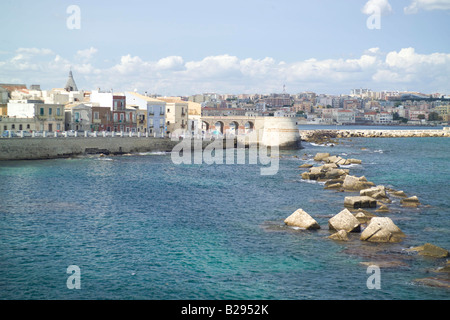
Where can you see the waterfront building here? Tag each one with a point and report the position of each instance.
(78, 117)
(123, 118)
(444, 112)
(194, 118)
(345, 116)
(40, 115)
(176, 114)
(101, 119)
(384, 118)
(151, 115)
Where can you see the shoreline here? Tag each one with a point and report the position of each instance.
(326, 134)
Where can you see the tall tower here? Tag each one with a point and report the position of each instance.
(70, 85)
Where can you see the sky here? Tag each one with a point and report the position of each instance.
(177, 48)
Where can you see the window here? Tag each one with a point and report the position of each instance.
(115, 117)
(13, 126)
(96, 115)
(122, 117)
(58, 127)
(20, 127)
(5, 128)
(77, 116)
(50, 111)
(28, 126)
(58, 111)
(41, 111)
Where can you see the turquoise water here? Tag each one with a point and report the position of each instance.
(140, 227)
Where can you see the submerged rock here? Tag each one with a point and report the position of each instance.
(383, 209)
(344, 220)
(321, 156)
(398, 193)
(352, 183)
(430, 250)
(302, 220)
(341, 235)
(360, 202)
(434, 282)
(410, 202)
(378, 192)
(382, 229)
(306, 165)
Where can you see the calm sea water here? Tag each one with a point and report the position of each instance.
(141, 227)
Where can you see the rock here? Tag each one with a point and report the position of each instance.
(352, 183)
(382, 229)
(341, 235)
(344, 220)
(334, 173)
(386, 264)
(302, 220)
(333, 186)
(306, 165)
(321, 156)
(410, 202)
(333, 181)
(434, 282)
(354, 161)
(383, 208)
(444, 269)
(360, 202)
(374, 192)
(332, 159)
(398, 193)
(430, 250)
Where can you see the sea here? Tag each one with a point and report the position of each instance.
(140, 227)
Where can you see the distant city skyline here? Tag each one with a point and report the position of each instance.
(186, 48)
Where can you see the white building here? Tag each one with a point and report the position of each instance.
(155, 112)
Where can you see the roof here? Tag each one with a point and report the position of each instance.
(140, 96)
(70, 84)
(172, 100)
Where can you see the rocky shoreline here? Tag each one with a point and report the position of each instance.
(330, 136)
(364, 219)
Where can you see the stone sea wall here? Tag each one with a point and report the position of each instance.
(51, 148)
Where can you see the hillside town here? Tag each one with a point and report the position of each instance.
(68, 109)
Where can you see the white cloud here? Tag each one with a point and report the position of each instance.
(231, 74)
(86, 54)
(377, 6)
(170, 63)
(427, 5)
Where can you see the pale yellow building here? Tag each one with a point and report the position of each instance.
(176, 114)
(444, 112)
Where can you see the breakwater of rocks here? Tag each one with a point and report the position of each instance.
(319, 136)
(364, 218)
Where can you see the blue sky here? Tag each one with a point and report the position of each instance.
(248, 46)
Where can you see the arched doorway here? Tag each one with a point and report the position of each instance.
(234, 128)
(218, 127)
(205, 126)
(249, 126)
